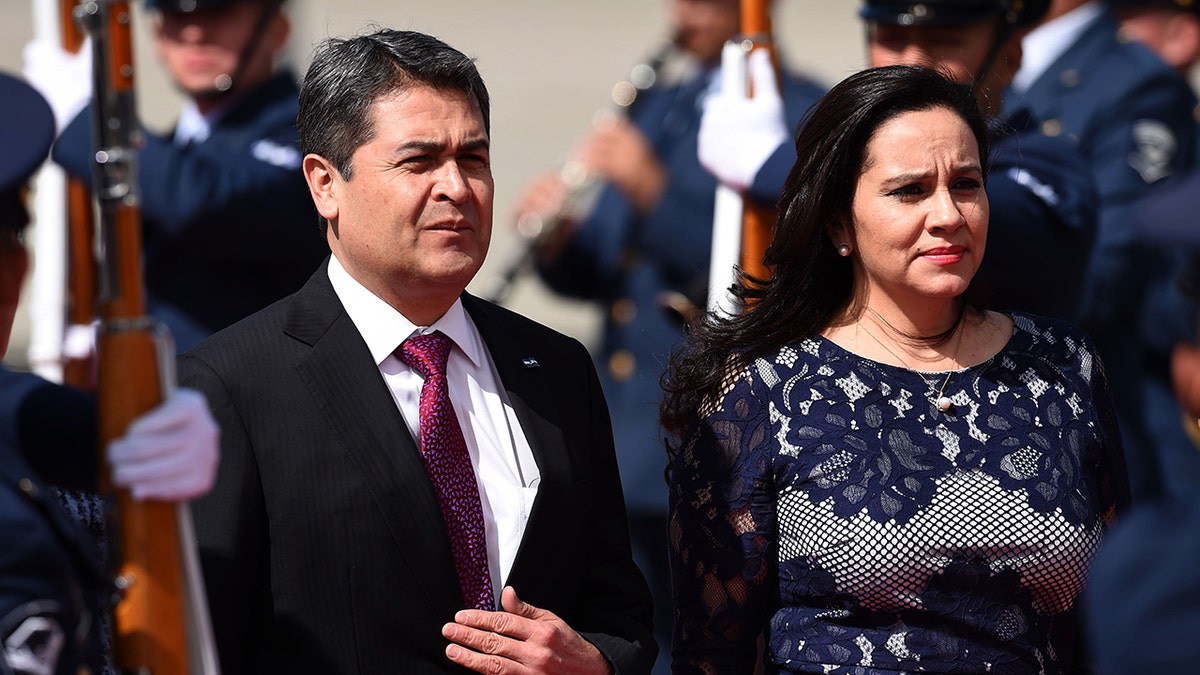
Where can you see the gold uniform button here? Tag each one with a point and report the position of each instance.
(621, 364)
(28, 487)
(1052, 127)
(628, 259)
(623, 311)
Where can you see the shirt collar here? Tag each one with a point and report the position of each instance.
(1044, 44)
(192, 126)
(383, 328)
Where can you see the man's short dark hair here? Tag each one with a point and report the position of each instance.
(348, 75)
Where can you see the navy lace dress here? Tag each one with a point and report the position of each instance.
(826, 503)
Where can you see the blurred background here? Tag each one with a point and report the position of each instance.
(549, 65)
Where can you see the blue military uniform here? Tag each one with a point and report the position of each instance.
(229, 226)
(1143, 595)
(50, 576)
(1131, 117)
(631, 264)
(1142, 600)
(1043, 220)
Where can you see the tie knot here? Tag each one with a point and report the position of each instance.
(427, 353)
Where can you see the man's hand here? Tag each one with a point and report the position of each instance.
(520, 638)
(169, 453)
(737, 134)
(617, 151)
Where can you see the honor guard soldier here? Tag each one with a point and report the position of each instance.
(1143, 595)
(228, 224)
(51, 577)
(642, 253)
(1131, 116)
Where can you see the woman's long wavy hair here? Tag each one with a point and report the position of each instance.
(810, 284)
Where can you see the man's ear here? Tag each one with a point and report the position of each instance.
(277, 32)
(323, 184)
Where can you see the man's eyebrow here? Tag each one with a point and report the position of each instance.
(420, 146)
(470, 145)
(474, 144)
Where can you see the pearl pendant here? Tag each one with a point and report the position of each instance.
(943, 403)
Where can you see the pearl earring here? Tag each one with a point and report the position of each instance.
(844, 250)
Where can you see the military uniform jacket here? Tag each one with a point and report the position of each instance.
(1131, 117)
(229, 223)
(1043, 220)
(1143, 593)
(49, 569)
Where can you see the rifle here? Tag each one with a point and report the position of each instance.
(160, 601)
(741, 229)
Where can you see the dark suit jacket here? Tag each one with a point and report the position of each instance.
(323, 546)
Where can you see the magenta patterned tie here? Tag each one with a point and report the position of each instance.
(449, 467)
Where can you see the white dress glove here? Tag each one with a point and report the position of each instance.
(169, 453)
(62, 78)
(738, 134)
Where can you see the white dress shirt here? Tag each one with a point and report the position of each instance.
(1044, 44)
(507, 474)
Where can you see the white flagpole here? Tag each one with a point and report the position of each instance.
(48, 281)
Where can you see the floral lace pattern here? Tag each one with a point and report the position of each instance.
(828, 504)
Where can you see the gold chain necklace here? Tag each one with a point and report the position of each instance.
(942, 401)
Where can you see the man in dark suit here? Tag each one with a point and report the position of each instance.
(330, 544)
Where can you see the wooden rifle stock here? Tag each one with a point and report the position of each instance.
(78, 370)
(150, 627)
(758, 220)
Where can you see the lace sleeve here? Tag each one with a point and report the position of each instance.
(722, 524)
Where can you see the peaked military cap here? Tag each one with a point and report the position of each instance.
(953, 12)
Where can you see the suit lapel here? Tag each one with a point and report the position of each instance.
(342, 378)
(533, 394)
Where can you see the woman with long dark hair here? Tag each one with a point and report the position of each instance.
(868, 471)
